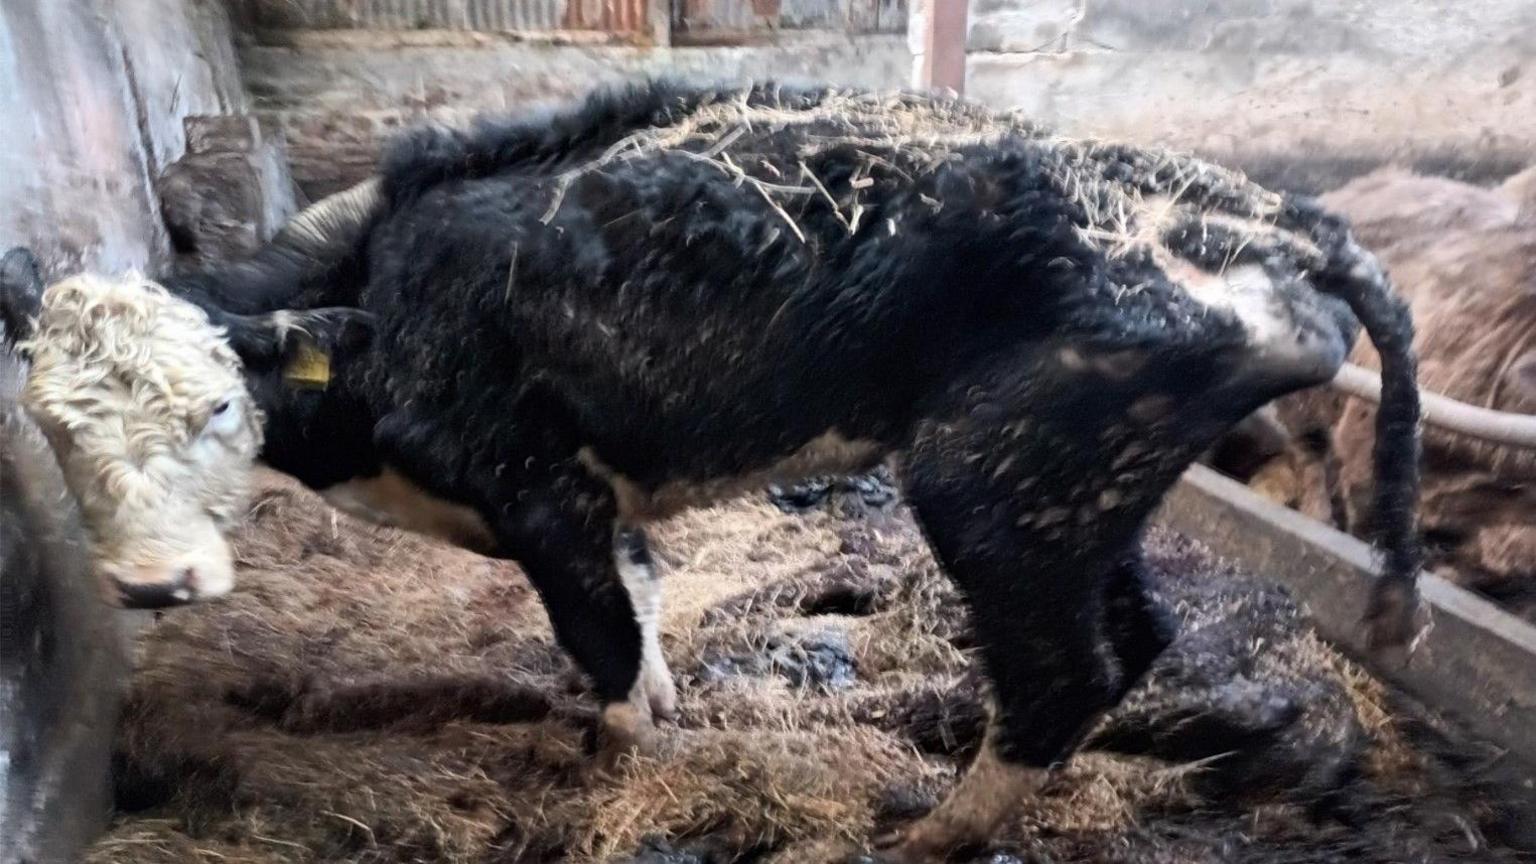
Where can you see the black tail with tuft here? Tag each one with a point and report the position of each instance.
(1394, 616)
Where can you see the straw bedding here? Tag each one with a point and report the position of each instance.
(1166, 208)
(369, 696)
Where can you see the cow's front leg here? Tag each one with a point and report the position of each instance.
(632, 554)
(564, 532)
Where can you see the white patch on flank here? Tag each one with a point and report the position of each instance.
(1279, 346)
(1244, 290)
(827, 453)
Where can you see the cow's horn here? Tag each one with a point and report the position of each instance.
(1449, 415)
(333, 223)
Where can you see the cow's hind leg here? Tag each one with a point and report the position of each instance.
(1036, 568)
(1137, 628)
(565, 534)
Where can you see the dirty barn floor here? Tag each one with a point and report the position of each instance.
(367, 696)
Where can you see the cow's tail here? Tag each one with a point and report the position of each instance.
(1394, 616)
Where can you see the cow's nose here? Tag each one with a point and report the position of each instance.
(158, 593)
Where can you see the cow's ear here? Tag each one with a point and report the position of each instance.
(306, 346)
(21, 294)
(341, 330)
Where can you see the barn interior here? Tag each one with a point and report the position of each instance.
(369, 695)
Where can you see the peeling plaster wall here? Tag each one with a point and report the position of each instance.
(95, 96)
(1301, 93)
(93, 93)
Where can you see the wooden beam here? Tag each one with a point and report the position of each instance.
(1478, 663)
(945, 25)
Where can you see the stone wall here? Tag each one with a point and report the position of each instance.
(99, 97)
(334, 93)
(1299, 92)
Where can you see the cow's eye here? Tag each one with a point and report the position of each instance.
(222, 420)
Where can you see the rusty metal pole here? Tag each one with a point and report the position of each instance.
(944, 45)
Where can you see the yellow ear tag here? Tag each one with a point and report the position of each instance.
(310, 367)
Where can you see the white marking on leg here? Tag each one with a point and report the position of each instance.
(654, 685)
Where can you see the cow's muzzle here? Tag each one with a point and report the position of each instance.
(180, 589)
(176, 583)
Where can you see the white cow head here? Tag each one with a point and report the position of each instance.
(143, 402)
(152, 415)
(150, 402)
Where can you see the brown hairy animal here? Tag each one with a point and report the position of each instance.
(1465, 259)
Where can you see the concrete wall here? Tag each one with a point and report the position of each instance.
(1304, 92)
(93, 93)
(334, 93)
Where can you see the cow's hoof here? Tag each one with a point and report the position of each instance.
(614, 755)
(988, 792)
(934, 837)
(660, 693)
(664, 707)
(926, 842)
(627, 732)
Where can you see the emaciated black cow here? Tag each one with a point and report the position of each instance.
(562, 328)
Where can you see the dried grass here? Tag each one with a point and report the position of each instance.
(1134, 201)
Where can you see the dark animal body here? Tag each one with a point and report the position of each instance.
(586, 321)
(63, 654)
